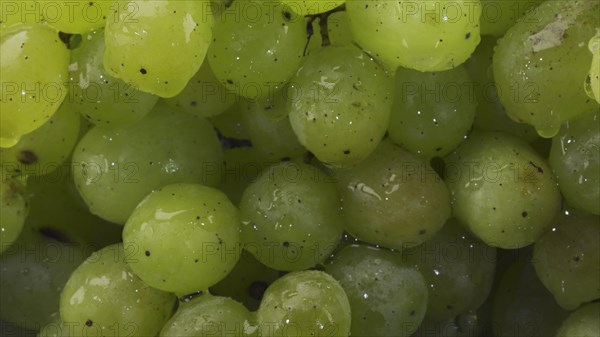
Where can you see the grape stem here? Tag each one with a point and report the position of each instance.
(322, 25)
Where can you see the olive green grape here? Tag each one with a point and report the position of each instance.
(14, 207)
(584, 322)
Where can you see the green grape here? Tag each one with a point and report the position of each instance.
(304, 303)
(386, 297)
(257, 46)
(502, 190)
(115, 169)
(592, 84)
(421, 35)
(99, 97)
(567, 257)
(186, 238)
(163, 29)
(539, 65)
(19, 11)
(291, 217)
(431, 112)
(522, 306)
(458, 268)
(490, 114)
(103, 296)
(247, 281)
(45, 149)
(273, 107)
(14, 208)
(241, 166)
(204, 96)
(340, 104)
(575, 159)
(273, 138)
(498, 16)
(33, 273)
(585, 322)
(210, 316)
(311, 7)
(376, 204)
(230, 123)
(34, 66)
(78, 17)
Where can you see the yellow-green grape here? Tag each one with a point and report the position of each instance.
(23, 11)
(304, 303)
(575, 159)
(490, 114)
(522, 307)
(291, 217)
(102, 99)
(502, 190)
(592, 84)
(421, 35)
(34, 66)
(14, 207)
(257, 46)
(204, 96)
(34, 271)
(498, 16)
(246, 282)
(167, 30)
(211, 316)
(340, 102)
(310, 7)
(104, 296)
(76, 17)
(386, 297)
(45, 149)
(230, 123)
(566, 259)
(585, 322)
(432, 112)
(114, 169)
(393, 199)
(186, 238)
(539, 65)
(458, 268)
(273, 138)
(241, 166)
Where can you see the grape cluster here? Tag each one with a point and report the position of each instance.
(300, 168)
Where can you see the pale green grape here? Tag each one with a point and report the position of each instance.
(230, 123)
(20, 11)
(115, 169)
(14, 207)
(175, 33)
(522, 307)
(310, 7)
(99, 97)
(304, 303)
(241, 166)
(204, 95)
(340, 103)
(585, 322)
(566, 259)
(257, 46)
(210, 316)
(422, 35)
(33, 272)
(103, 296)
(458, 268)
(431, 112)
(502, 190)
(393, 199)
(593, 88)
(291, 217)
(539, 65)
(575, 159)
(490, 112)
(45, 149)
(273, 138)
(246, 282)
(76, 17)
(186, 238)
(386, 297)
(34, 66)
(498, 16)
